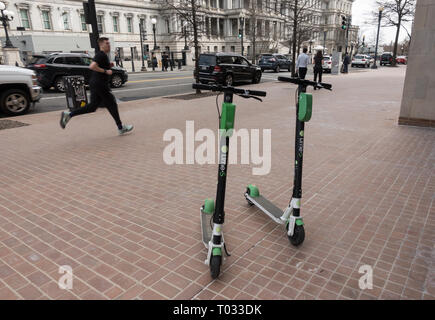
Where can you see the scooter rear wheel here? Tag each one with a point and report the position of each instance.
(215, 266)
(298, 235)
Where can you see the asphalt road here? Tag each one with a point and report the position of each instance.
(148, 85)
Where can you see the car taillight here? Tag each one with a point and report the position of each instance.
(217, 69)
(34, 78)
(40, 66)
(363, 59)
(329, 62)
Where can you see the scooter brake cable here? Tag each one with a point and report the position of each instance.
(217, 105)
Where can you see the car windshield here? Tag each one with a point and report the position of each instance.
(360, 57)
(37, 60)
(266, 57)
(326, 58)
(207, 60)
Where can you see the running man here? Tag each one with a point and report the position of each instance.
(101, 94)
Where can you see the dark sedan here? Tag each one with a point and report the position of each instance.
(50, 69)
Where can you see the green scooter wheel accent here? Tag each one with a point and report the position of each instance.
(216, 252)
(215, 266)
(208, 206)
(299, 222)
(253, 191)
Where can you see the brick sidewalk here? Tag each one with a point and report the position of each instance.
(128, 224)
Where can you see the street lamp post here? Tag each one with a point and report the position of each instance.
(377, 38)
(5, 17)
(154, 21)
(310, 42)
(324, 39)
(242, 27)
(185, 35)
(141, 45)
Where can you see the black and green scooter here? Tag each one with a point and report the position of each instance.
(212, 212)
(291, 216)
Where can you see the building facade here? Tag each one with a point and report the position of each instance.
(53, 26)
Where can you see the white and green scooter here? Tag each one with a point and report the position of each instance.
(212, 212)
(291, 216)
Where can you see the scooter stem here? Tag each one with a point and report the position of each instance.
(299, 153)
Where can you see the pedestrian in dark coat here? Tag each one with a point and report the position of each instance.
(318, 66)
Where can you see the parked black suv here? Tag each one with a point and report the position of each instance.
(52, 67)
(226, 68)
(386, 58)
(275, 62)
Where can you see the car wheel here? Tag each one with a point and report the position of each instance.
(277, 69)
(14, 102)
(116, 81)
(256, 78)
(58, 84)
(228, 80)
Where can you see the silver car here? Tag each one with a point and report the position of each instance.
(361, 60)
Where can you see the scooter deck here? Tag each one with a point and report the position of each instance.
(267, 207)
(207, 230)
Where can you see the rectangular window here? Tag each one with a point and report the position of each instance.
(65, 19)
(100, 23)
(83, 22)
(25, 22)
(46, 20)
(129, 25)
(115, 25)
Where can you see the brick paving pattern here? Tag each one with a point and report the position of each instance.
(128, 224)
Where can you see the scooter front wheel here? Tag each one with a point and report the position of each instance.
(298, 235)
(215, 266)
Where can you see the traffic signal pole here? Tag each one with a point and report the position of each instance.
(91, 18)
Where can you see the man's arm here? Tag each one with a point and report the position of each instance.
(95, 67)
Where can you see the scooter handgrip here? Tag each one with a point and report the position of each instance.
(287, 79)
(201, 86)
(257, 93)
(326, 85)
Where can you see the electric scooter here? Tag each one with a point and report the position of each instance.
(291, 216)
(212, 212)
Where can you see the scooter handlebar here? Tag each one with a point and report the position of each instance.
(298, 81)
(228, 89)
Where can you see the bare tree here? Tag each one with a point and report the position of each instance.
(296, 13)
(188, 11)
(396, 12)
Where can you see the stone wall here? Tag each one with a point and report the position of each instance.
(418, 102)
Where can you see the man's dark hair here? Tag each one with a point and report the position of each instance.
(102, 39)
(305, 50)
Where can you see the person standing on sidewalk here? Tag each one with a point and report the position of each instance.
(302, 63)
(346, 62)
(318, 66)
(117, 58)
(101, 94)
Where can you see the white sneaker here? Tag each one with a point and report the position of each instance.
(64, 118)
(125, 129)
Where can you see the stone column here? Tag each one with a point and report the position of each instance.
(417, 107)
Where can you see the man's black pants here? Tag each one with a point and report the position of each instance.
(302, 72)
(101, 96)
(318, 71)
